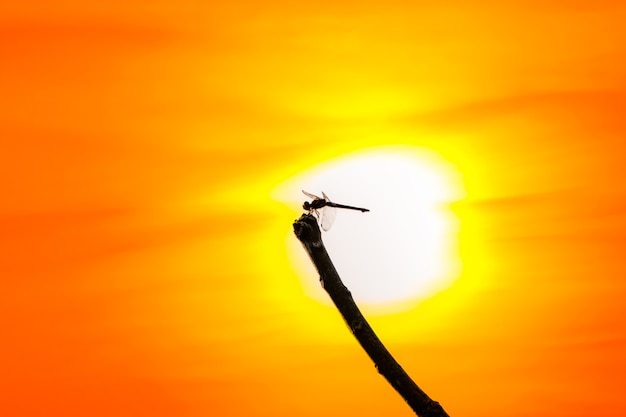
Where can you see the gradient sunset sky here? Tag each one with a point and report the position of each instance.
(145, 260)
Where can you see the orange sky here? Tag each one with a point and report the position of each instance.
(144, 263)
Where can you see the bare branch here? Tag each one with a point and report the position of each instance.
(308, 232)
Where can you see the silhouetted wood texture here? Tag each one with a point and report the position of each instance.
(308, 232)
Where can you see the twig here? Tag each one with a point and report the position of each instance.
(308, 232)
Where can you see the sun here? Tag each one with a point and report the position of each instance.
(405, 248)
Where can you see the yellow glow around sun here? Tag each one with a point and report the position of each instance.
(402, 251)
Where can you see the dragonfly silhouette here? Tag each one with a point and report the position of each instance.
(327, 209)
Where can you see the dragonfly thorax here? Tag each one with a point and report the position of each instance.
(315, 204)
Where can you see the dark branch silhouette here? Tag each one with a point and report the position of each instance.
(308, 232)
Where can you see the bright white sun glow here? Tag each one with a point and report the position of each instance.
(402, 251)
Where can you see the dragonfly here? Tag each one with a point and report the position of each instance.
(327, 208)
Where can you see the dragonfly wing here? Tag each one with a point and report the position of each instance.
(313, 196)
(328, 217)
